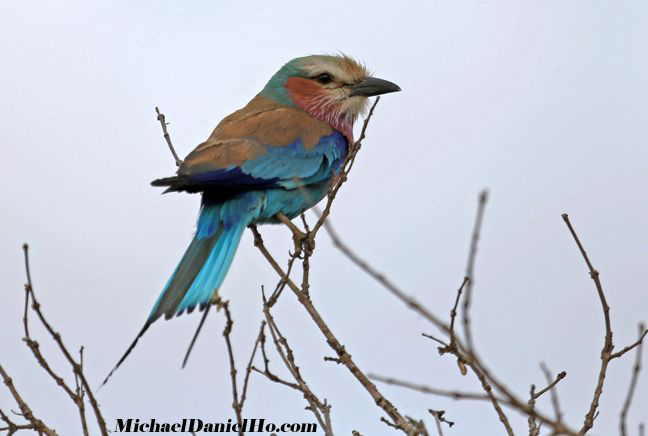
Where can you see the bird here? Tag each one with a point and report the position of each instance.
(277, 155)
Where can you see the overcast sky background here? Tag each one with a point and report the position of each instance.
(543, 103)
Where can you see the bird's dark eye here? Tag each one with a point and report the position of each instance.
(324, 78)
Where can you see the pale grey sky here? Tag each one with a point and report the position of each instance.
(544, 103)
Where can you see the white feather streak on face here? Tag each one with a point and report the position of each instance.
(334, 105)
(344, 69)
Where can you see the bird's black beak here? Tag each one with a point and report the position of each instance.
(370, 86)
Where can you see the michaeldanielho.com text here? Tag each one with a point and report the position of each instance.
(197, 425)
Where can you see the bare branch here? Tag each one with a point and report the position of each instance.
(455, 395)
(453, 312)
(438, 419)
(470, 267)
(162, 119)
(76, 366)
(633, 383)
(410, 302)
(533, 427)
(333, 342)
(607, 345)
(321, 409)
(26, 412)
(630, 347)
(559, 377)
(248, 369)
(554, 393)
(226, 334)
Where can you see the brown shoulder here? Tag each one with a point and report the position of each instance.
(271, 123)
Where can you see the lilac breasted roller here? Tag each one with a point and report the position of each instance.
(278, 154)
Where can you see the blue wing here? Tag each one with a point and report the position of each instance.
(268, 166)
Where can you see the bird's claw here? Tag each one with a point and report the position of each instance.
(304, 243)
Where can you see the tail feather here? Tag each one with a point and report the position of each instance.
(184, 275)
(128, 351)
(201, 270)
(213, 272)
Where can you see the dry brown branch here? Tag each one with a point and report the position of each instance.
(485, 381)
(438, 419)
(533, 425)
(470, 267)
(410, 302)
(248, 369)
(608, 346)
(455, 395)
(25, 411)
(306, 242)
(236, 405)
(345, 358)
(534, 429)
(633, 383)
(463, 349)
(455, 347)
(551, 385)
(453, 312)
(467, 357)
(554, 393)
(83, 389)
(266, 363)
(162, 119)
(320, 409)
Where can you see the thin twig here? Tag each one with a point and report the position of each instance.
(162, 119)
(470, 267)
(630, 347)
(333, 342)
(410, 302)
(76, 366)
(560, 376)
(633, 384)
(235, 398)
(453, 312)
(607, 344)
(248, 369)
(25, 410)
(455, 395)
(320, 409)
(533, 426)
(554, 393)
(439, 418)
(80, 403)
(486, 385)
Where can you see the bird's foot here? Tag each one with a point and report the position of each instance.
(303, 243)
